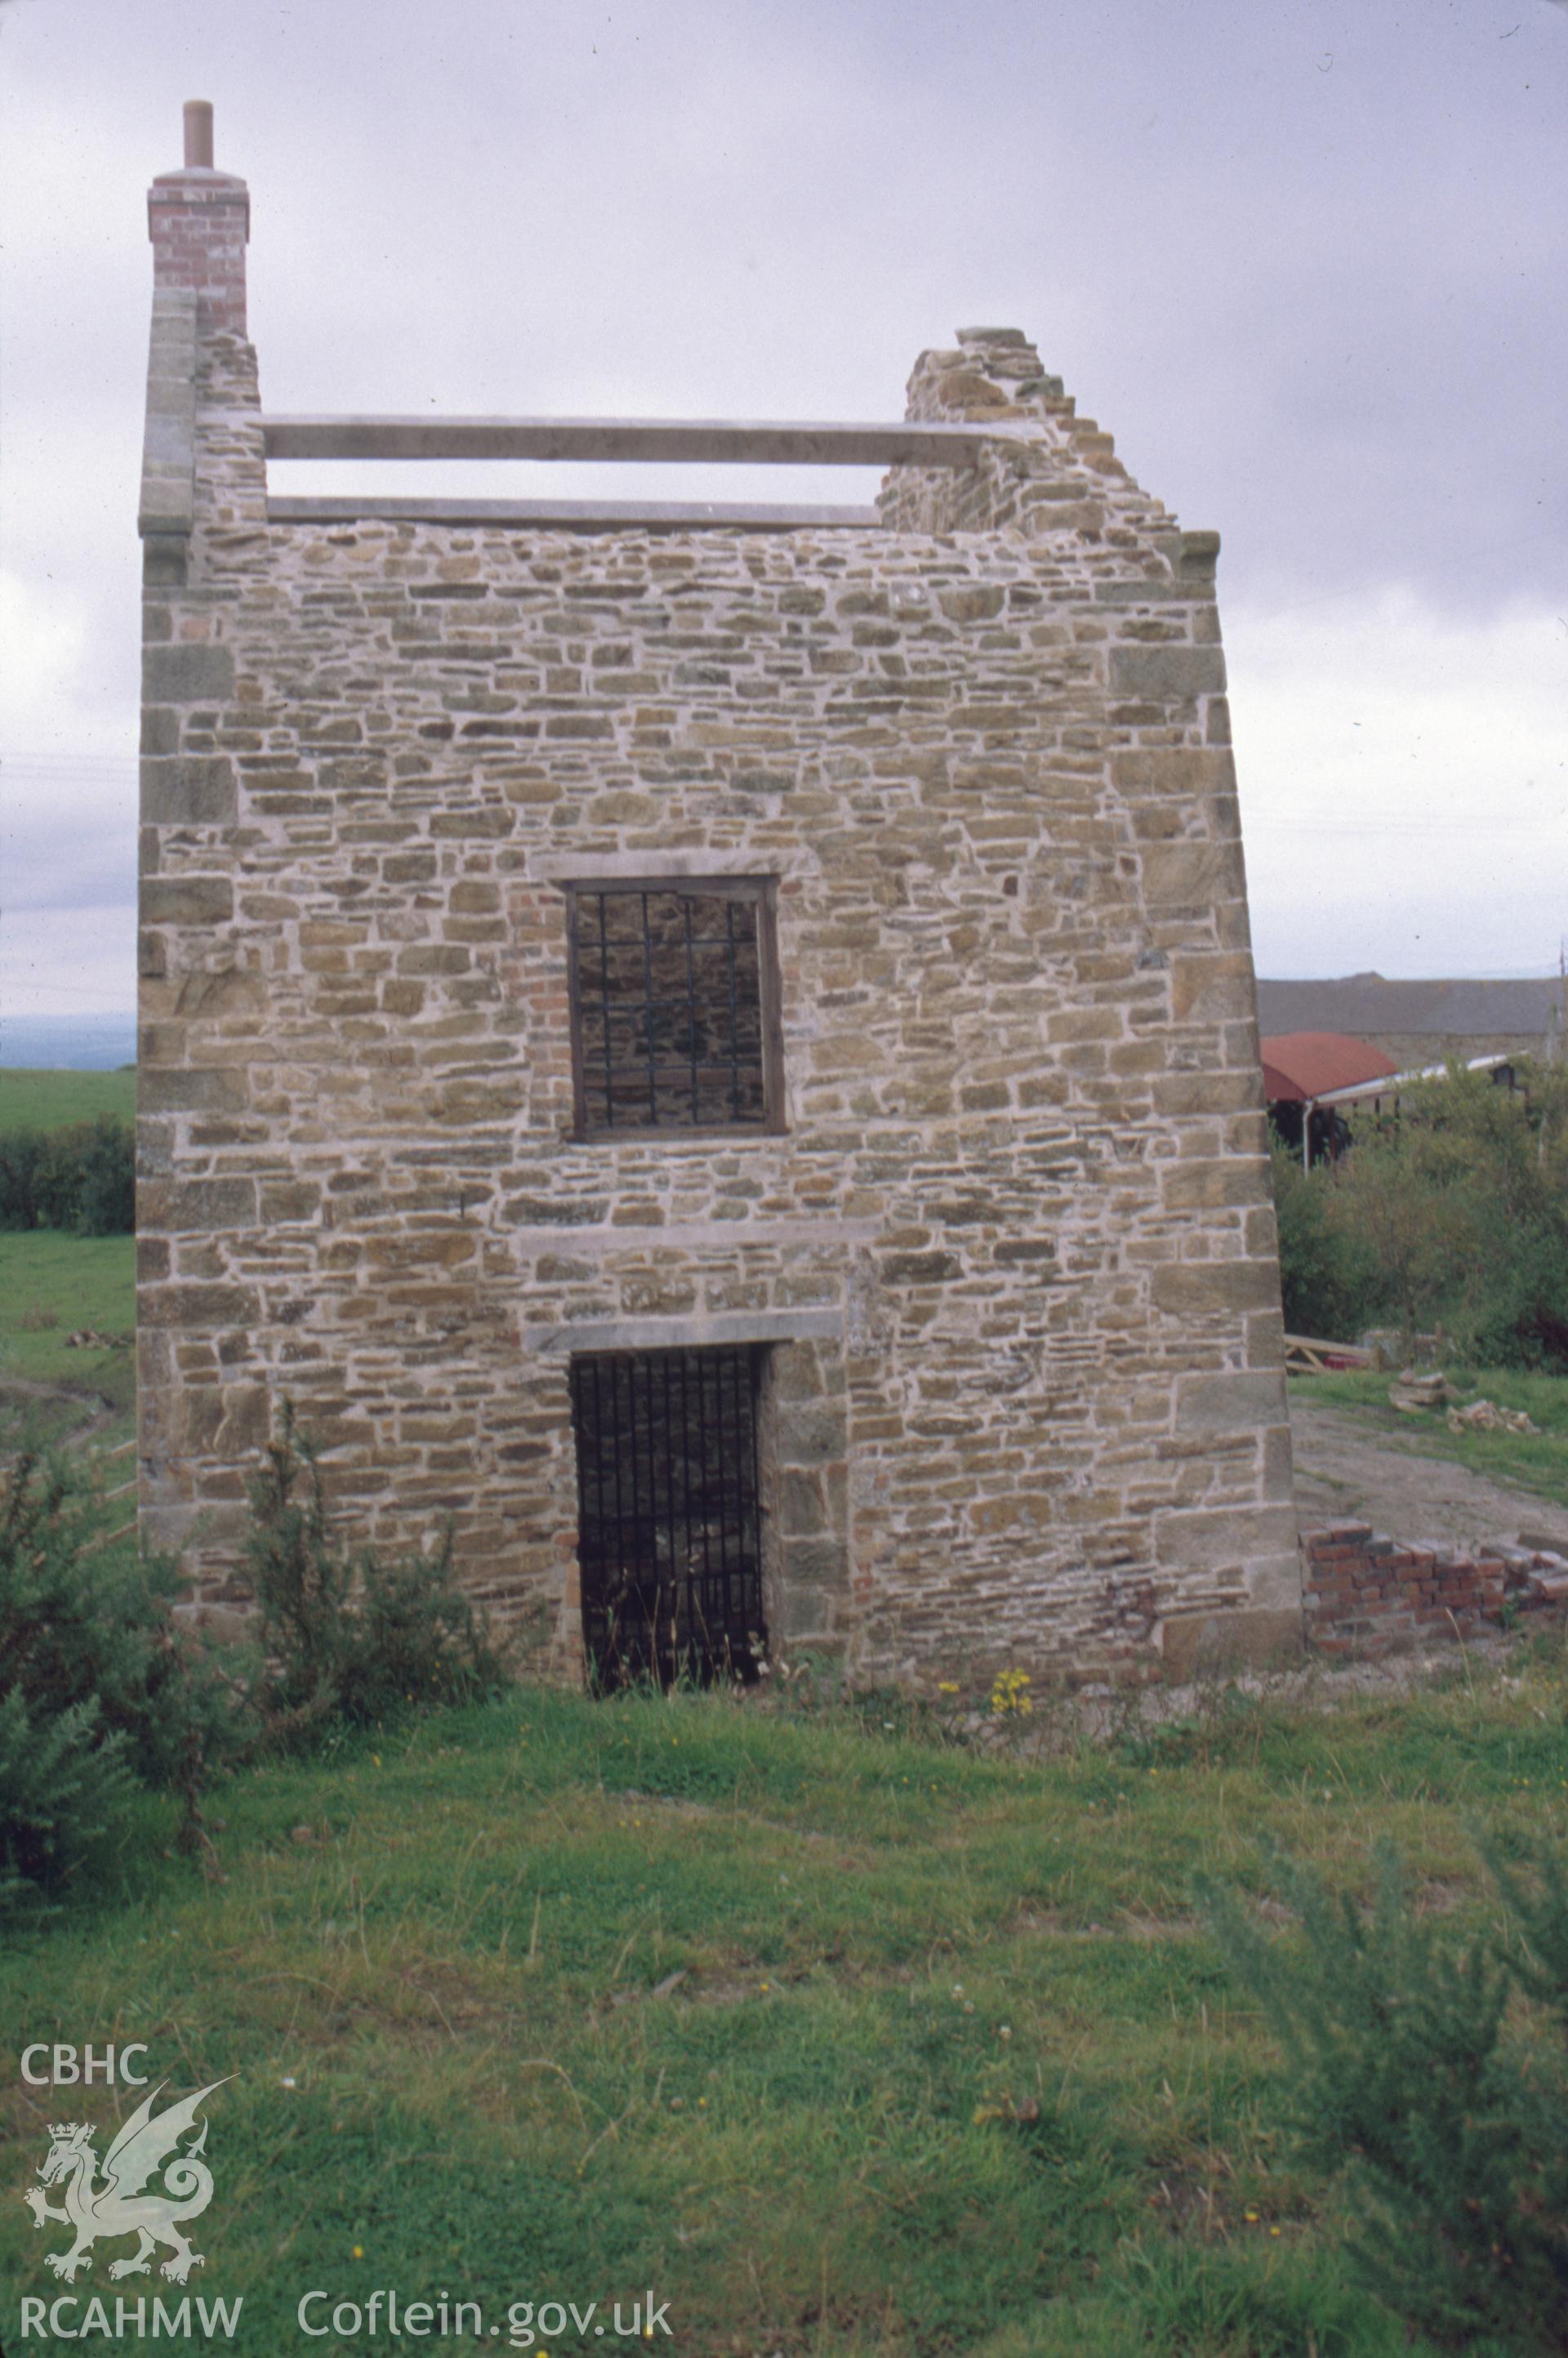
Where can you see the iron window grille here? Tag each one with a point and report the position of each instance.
(674, 988)
(669, 1543)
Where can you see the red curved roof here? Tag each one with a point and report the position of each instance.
(1300, 1065)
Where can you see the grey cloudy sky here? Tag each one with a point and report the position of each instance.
(1305, 258)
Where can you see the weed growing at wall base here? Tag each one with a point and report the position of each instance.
(352, 1637)
(1011, 1698)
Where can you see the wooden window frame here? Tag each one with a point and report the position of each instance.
(761, 892)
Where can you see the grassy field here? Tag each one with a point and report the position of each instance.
(840, 2038)
(52, 1285)
(1537, 1462)
(49, 1100)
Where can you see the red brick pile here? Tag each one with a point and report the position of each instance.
(1365, 1595)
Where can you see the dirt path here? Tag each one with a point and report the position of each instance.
(1347, 1473)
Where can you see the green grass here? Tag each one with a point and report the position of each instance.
(841, 2040)
(1535, 1462)
(44, 1099)
(77, 1282)
(52, 1284)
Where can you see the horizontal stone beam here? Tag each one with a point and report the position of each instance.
(700, 1333)
(682, 439)
(571, 516)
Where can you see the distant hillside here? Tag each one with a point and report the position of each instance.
(93, 1043)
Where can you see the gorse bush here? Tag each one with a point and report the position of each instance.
(103, 1697)
(82, 1177)
(100, 1695)
(1434, 2073)
(348, 1636)
(1454, 1214)
(64, 1791)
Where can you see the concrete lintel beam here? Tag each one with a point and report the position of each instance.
(936, 444)
(573, 515)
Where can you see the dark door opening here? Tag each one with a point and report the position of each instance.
(669, 1540)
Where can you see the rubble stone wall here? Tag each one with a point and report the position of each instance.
(1013, 1259)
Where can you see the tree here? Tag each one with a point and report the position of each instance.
(1452, 1213)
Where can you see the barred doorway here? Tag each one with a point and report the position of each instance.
(670, 1538)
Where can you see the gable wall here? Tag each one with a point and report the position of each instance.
(1015, 1253)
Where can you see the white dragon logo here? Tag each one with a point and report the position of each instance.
(118, 2207)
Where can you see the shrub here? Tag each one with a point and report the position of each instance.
(21, 1160)
(352, 1637)
(1453, 1214)
(80, 1177)
(1445, 2103)
(106, 1178)
(64, 1787)
(1325, 1273)
(98, 1695)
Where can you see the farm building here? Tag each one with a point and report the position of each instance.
(1302, 1069)
(1418, 1023)
(715, 1047)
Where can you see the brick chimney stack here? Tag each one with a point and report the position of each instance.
(198, 221)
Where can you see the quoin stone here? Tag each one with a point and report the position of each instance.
(712, 1046)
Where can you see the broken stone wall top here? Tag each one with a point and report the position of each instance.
(1009, 1257)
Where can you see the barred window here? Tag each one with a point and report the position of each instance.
(675, 1005)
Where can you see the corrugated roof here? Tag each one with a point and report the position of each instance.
(1367, 1002)
(1300, 1064)
(1374, 1092)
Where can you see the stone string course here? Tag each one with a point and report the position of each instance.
(1033, 1408)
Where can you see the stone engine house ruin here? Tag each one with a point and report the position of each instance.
(713, 1046)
